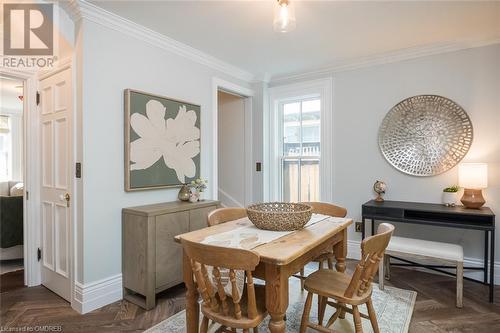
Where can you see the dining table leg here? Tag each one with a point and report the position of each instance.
(192, 306)
(276, 297)
(340, 250)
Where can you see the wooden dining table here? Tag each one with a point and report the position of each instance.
(279, 259)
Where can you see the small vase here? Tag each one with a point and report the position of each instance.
(450, 199)
(184, 193)
(194, 196)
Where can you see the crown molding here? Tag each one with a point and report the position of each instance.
(387, 58)
(72, 8)
(81, 9)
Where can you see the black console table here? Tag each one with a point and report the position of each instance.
(482, 219)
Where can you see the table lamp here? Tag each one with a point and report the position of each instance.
(473, 177)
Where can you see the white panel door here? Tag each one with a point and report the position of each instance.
(56, 134)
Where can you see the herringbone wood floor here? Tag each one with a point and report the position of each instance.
(434, 310)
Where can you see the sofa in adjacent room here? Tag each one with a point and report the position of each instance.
(11, 220)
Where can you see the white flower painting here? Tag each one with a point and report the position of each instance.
(168, 135)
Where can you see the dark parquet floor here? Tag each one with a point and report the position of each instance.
(434, 309)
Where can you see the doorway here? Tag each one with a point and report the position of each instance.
(44, 134)
(11, 182)
(56, 183)
(231, 148)
(233, 153)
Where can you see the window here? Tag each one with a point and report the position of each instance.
(298, 142)
(5, 149)
(301, 149)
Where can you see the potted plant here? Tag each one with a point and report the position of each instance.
(197, 187)
(450, 196)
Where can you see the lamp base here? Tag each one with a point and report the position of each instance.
(473, 198)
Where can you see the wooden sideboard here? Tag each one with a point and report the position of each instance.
(151, 260)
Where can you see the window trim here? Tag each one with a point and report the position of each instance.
(322, 88)
(281, 135)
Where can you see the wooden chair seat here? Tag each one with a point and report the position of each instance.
(334, 284)
(245, 321)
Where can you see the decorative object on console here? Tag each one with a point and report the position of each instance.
(425, 135)
(184, 193)
(379, 187)
(194, 196)
(162, 141)
(473, 177)
(279, 216)
(197, 187)
(450, 196)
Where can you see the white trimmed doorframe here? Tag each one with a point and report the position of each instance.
(247, 94)
(31, 175)
(64, 64)
(31, 232)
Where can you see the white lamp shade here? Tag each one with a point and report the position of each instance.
(473, 175)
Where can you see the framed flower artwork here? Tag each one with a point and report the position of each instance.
(162, 141)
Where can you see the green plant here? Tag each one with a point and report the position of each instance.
(199, 184)
(451, 189)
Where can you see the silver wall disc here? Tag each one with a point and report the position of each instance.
(425, 135)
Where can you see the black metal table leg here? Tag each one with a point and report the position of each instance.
(373, 227)
(492, 266)
(486, 251)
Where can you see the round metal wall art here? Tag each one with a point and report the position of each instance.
(425, 135)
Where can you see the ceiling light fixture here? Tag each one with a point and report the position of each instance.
(284, 16)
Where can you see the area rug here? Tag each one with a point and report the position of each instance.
(393, 306)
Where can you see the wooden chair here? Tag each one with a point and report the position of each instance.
(325, 209)
(236, 311)
(348, 290)
(222, 215)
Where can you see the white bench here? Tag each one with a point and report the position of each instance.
(421, 250)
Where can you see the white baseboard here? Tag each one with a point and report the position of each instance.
(94, 295)
(354, 252)
(228, 201)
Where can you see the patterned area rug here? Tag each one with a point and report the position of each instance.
(393, 306)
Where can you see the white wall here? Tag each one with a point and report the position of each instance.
(362, 98)
(112, 62)
(231, 149)
(260, 107)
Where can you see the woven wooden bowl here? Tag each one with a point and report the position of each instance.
(279, 216)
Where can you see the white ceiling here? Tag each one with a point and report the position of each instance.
(10, 90)
(328, 33)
